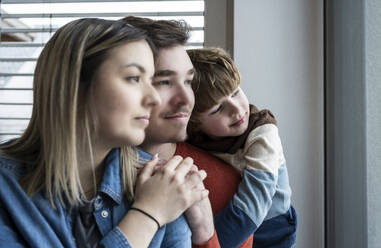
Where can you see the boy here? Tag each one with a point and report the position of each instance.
(224, 124)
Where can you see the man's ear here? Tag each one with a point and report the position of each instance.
(193, 127)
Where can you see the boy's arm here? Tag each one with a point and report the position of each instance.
(263, 156)
(200, 220)
(211, 243)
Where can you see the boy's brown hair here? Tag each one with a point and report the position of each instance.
(216, 76)
(163, 33)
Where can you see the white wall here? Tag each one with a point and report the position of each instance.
(278, 46)
(373, 82)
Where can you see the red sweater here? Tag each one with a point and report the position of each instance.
(222, 179)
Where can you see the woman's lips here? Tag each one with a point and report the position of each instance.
(143, 119)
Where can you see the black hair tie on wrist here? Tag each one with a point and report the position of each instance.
(147, 214)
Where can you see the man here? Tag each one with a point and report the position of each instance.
(167, 131)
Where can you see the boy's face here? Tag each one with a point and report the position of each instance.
(230, 117)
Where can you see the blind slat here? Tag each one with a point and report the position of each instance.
(88, 1)
(14, 118)
(122, 14)
(21, 44)
(4, 74)
(5, 89)
(16, 103)
(24, 33)
(17, 59)
(51, 30)
(31, 44)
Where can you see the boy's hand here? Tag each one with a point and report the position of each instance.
(200, 218)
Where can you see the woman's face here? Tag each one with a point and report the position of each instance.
(124, 95)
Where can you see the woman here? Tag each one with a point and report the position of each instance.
(71, 178)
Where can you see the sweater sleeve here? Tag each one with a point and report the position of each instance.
(263, 156)
(260, 159)
(212, 243)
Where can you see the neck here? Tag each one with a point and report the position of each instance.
(91, 172)
(164, 150)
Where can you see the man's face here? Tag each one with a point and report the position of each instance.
(173, 76)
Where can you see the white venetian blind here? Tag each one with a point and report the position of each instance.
(26, 25)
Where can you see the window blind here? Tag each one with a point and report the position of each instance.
(26, 25)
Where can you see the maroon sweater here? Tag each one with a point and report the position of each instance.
(222, 179)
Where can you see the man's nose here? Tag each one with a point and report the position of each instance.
(182, 95)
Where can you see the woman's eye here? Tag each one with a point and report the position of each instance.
(188, 82)
(133, 79)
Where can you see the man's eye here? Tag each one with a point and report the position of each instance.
(217, 110)
(134, 79)
(160, 83)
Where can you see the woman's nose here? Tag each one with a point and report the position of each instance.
(151, 96)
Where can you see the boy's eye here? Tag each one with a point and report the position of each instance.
(133, 79)
(217, 110)
(235, 93)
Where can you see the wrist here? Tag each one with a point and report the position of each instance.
(146, 214)
(202, 235)
(151, 210)
(211, 243)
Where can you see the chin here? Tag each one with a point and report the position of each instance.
(178, 138)
(135, 140)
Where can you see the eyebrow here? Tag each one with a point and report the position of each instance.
(166, 73)
(140, 68)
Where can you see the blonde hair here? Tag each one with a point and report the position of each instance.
(216, 76)
(62, 118)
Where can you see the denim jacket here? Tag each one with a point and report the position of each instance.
(32, 222)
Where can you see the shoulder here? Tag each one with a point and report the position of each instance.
(206, 161)
(11, 167)
(266, 130)
(187, 150)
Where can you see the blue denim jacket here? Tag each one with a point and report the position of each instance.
(32, 222)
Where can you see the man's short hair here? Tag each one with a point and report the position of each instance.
(164, 33)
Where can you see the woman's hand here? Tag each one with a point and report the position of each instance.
(166, 192)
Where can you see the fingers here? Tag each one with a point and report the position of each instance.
(172, 163)
(183, 169)
(177, 168)
(148, 169)
(193, 169)
(195, 178)
(199, 195)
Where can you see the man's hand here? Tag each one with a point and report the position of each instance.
(200, 218)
